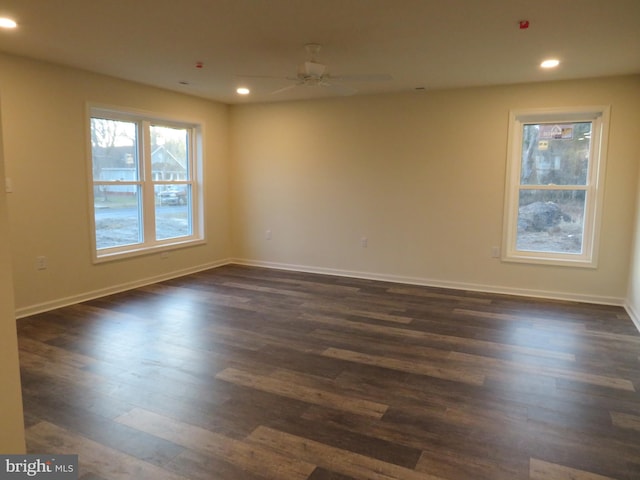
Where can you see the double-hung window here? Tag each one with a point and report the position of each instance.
(555, 181)
(145, 175)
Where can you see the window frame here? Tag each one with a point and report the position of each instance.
(594, 188)
(146, 183)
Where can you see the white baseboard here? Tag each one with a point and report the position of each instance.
(428, 282)
(122, 287)
(633, 314)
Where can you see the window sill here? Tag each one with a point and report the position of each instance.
(140, 251)
(536, 258)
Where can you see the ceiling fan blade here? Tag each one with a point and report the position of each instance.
(312, 74)
(382, 77)
(283, 89)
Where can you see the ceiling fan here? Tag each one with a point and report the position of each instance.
(312, 73)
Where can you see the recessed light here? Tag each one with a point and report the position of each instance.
(7, 23)
(243, 91)
(550, 63)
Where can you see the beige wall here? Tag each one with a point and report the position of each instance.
(45, 150)
(633, 294)
(421, 175)
(11, 423)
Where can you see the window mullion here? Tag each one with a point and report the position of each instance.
(192, 176)
(148, 195)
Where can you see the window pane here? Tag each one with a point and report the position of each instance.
(114, 151)
(117, 215)
(551, 221)
(555, 154)
(169, 153)
(173, 211)
(144, 183)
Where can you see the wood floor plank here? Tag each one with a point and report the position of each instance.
(451, 341)
(324, 474)
(386, 317)
(454, 375)
(449, 296)
(541, 470)
(190, 294)
(96, 458)
(304, 394)
(359, 441)
(529, 320)
(253, 458)
(626, 420)
(267, 289)
(253, 340)
(412, 436)
(600, 380)
(458, 463)
(335, 459)
(91, 476)
(347, 341)
(246, 373)
(62, 371)
(202, 466)
(358, 311)
(60, 355)
(65, 413)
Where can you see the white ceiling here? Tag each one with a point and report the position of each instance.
(421, 43)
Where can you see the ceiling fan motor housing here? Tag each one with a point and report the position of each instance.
(311, 70)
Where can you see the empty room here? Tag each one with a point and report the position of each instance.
(320, 240)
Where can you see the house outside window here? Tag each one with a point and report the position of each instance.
(555, 181)
(145, 175)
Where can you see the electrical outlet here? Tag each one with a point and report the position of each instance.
(8, 185)
(495, 252)
(267, 234)
(364, 241)
(41, 263)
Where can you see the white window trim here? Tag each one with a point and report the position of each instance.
(599, 115)
(196, 171)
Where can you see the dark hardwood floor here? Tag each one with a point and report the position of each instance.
(243, 373)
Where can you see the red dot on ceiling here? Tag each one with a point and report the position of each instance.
(199, 64)
(524, 24)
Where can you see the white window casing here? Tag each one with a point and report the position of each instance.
(145, 188)
(592, 189)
